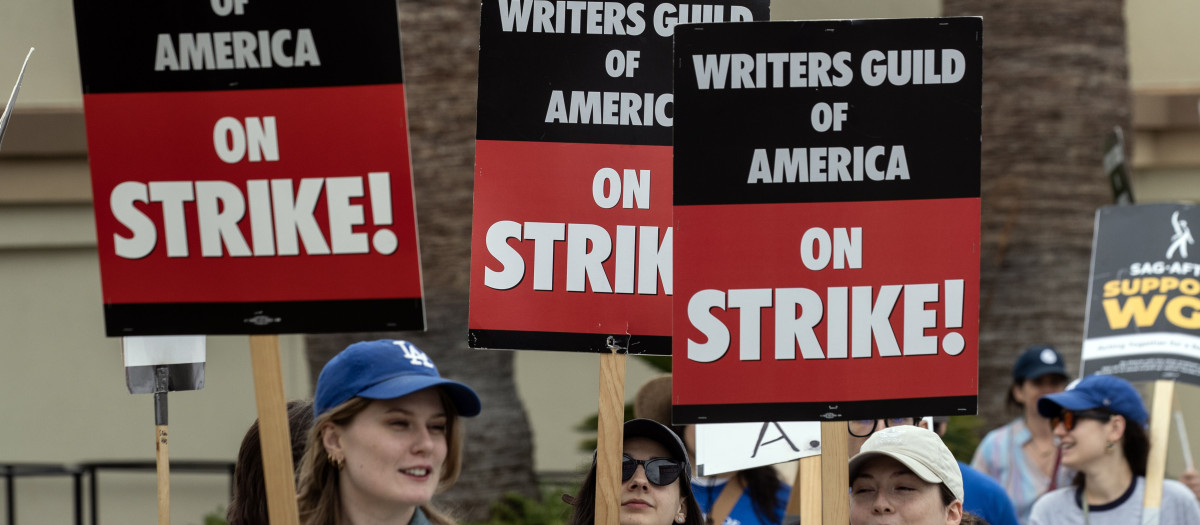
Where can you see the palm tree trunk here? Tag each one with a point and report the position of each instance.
(440, 40)
(1055, 81)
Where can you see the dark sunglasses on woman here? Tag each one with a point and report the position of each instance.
(659, 471)
(1069, 418)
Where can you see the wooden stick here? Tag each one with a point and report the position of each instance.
(609, 438)
(835, 473)
(808, 498)
(1160, 431)
(273, 430)
(163, 465)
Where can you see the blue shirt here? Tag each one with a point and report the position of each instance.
(985, 498)
(743, 511)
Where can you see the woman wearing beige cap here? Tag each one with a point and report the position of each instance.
(906, 475)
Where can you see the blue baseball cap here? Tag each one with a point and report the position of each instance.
(385, 369)
(1037, 361)
(1097, 391)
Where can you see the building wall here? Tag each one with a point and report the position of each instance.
(62, 381)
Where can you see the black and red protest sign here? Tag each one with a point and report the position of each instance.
(827, 206)
(250, 166)
(1144, 294)
(572, 237)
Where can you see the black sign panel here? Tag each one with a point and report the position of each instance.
(872, 110)
(595, 55)
(150, 46)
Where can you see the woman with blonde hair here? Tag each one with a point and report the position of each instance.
(386, 438)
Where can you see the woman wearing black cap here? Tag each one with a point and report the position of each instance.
(1101, 424)
(386, 438)
(654, 485)
(1022, 455)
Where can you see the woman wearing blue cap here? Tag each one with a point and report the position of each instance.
(1022, 455)
(386, 438)
(1101, 425)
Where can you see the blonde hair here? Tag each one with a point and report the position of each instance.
(317, 490)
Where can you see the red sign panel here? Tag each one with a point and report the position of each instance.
(245, 179)
(572, 237)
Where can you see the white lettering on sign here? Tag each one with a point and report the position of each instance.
(761, 70)
(281, 217)
(833, 164)
(608, 107)
(816, 69)
(608, 18)
(588, 246)
(232, 140)
(607, 189)
(235, 50)
(857, 320)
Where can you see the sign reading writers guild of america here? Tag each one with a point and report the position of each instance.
(1143, 306)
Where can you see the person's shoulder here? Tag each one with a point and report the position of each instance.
(1055, 499)
(1176, 491)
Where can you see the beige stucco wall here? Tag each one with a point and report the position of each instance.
(62, 383)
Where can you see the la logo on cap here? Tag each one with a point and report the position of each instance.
(414, 354)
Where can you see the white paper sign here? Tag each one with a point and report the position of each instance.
(163, 350)
(726, 447)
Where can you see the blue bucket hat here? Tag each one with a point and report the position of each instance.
(385, 369)
(1097, 391)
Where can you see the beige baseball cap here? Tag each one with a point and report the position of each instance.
(921, 450)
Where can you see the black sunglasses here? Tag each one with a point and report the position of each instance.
(660, 471)
(1068, 418)
(862, 428)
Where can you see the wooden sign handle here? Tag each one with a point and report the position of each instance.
(163, 465)
(835, 473)
(804, 503)
(278, 471)
(1160, 431)
(609, 438)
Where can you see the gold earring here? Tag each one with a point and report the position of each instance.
(339, 463)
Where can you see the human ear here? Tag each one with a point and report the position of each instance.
(954, 513)
(681, 515)
(331, 438)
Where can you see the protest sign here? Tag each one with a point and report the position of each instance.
(571, 235)
(250, 167)
(12, 99)
(727, 447)
(827, 202)
(1143, 305)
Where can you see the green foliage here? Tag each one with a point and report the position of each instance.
(588, 427)
(962, 436)
(216, 517)
(515, 509)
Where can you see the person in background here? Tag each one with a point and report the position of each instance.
(249, 505)
(754, 496)
(1022, 455)
(654, 487)
(1101, 424)
(905, 474)
(386, 438)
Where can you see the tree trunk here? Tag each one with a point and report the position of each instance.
(1055, 82)
(440, 40)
